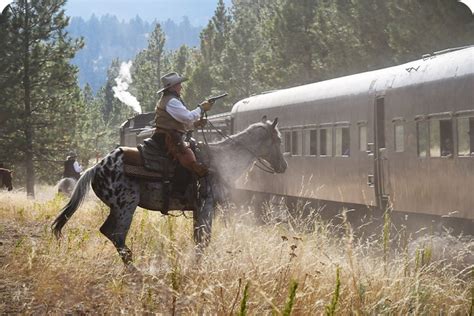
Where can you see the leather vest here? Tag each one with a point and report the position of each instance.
(69, 171)
(163, 120)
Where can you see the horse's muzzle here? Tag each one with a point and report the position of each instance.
(282, 167)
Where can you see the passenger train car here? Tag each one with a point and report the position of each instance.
(399, 138)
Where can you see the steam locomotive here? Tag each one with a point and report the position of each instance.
(398, 139)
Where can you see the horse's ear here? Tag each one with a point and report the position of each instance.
(264, 119)
(275, 122)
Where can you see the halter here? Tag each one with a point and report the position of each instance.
(263, 164)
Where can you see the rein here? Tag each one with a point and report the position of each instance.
(263, 164)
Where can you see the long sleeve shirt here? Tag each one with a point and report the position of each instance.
(77, 167)
(179, 112)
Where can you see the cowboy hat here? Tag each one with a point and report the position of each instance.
(169, 80)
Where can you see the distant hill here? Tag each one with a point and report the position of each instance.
(106, 37)
(198, 11)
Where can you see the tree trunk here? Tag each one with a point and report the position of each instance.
(28, 127)
(30, 171)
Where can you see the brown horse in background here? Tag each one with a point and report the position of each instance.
(6, 179)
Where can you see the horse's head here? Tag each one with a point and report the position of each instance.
(270, 149)
(6, 176)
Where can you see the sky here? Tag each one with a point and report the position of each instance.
(198, 11)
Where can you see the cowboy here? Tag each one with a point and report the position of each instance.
(72, 169)
(173, 120)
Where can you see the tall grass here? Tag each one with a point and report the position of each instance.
(331, 308)
(243, 303)
(247, 269)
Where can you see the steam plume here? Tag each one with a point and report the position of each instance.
(120, 90)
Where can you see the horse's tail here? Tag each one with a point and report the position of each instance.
(78, 195)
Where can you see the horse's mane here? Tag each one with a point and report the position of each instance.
(233, 137)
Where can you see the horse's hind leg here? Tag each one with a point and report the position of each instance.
(116, 227)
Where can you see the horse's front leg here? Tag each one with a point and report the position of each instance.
(203, 215)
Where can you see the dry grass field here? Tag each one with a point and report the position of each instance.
(247, 269)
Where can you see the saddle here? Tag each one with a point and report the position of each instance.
(156, 159)
(152, 163)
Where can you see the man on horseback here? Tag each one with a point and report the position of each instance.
(72, 169)
(173, 120)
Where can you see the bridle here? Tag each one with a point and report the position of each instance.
(261, 163)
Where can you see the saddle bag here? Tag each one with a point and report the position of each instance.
(155, 158)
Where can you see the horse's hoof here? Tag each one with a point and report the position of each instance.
(130, 268)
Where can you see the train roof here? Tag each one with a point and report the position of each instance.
(139, 121)
(449, 63)
(220, 116)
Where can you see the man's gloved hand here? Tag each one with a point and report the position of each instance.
(205, 106)
(200, 124)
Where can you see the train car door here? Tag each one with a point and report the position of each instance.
(379, 147)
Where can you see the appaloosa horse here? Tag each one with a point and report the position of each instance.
(228, 159)
(6, 179)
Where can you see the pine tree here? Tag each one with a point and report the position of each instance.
(419, 27)
(199, 85)
(142, 81)
(293, 44)
(156, 52)
(238, 62)
(221, 22)
(92, 141)
(180, 60)
(111, 104)
(148, 67)
(371, 20)
(39, 51)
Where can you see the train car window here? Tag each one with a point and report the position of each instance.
(422, 137)
(311, 142)
(399, 137)
(296, 143)
(466, 136)
(325, 142)
(435, 149)
(363, 138)
(342, 142)
(287, 141)
(441, 138)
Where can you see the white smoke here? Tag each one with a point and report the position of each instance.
(123, 80)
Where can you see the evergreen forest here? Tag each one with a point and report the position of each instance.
(106, 37)
(248, 48)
